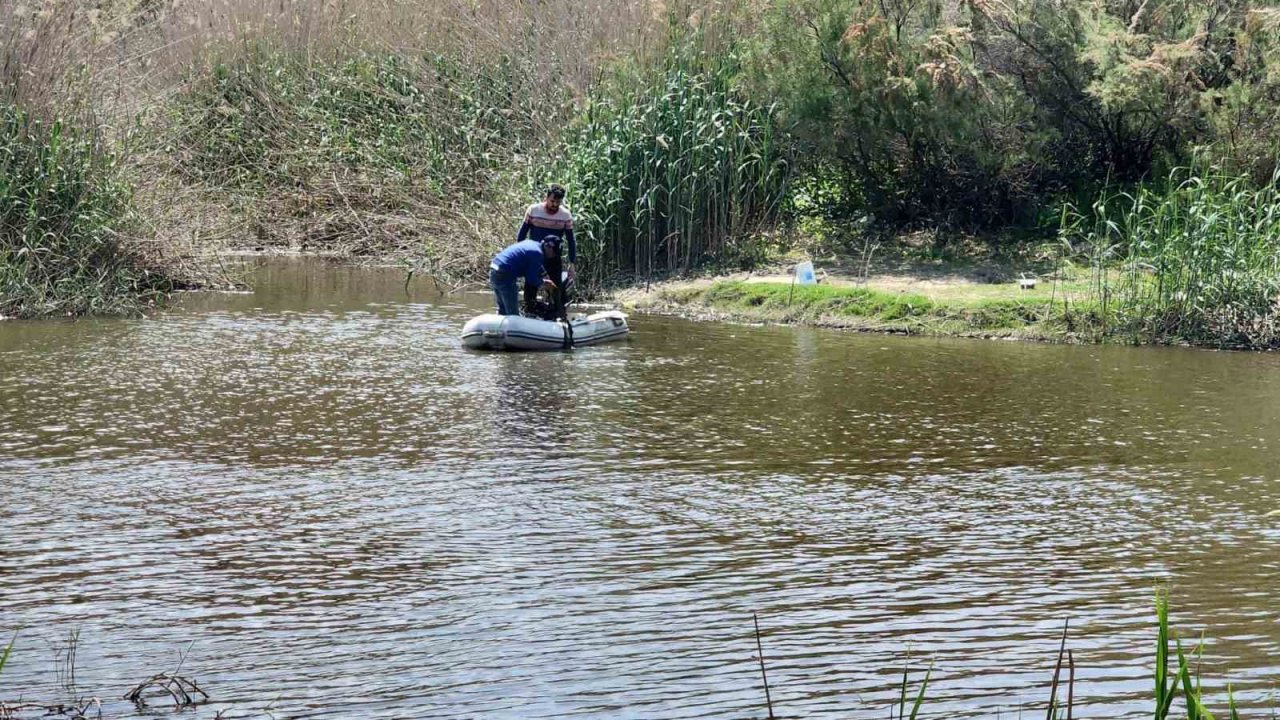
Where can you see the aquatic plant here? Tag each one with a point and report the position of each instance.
(64, 214)
(1183, 681)
(671, 167)
(1194, 259)
(4, 656)
(920, 694)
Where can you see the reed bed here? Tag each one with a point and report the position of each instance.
(420, 130)
(372, 154)
(673, 167)
(64, 214)
(389, 128)
(1176, 674)
(1195, 259)
(400, 131)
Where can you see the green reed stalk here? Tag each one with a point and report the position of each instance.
(1165, 688)
(670, 167)
(64, 215)
(1196, 259)
(4, 656)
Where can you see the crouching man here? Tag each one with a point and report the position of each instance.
(524, 259)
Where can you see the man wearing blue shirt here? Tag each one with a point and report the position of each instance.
(521, 260)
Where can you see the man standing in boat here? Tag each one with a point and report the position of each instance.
(525, 259)
(551, 222)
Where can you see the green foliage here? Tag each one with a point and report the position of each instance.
(901, 311)
(919, 699)
(267, 118)
(1199, 259)
(1241, 106)
(63, 209)
(894, 101)
(979, 117)
(1166, 686)
(366, 152)
(670, 167)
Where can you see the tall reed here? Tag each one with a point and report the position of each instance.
(1194, 259)
(4, 655)
(64, 218)
(672, 166)
(1184, 680)
(364, 152)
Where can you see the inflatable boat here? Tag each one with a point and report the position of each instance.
(515, 332)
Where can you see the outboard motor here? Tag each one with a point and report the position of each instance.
(544, 308)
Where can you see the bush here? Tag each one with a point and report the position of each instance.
(978, 117)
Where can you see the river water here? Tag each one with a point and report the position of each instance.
(326, 508)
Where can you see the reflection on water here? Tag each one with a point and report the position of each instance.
(345, 514)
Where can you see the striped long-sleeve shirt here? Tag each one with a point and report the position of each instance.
(541, 225)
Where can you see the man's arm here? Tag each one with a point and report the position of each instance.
(524, 230)
(573, 246)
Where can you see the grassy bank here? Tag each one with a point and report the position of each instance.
(1052, 311)
(1195, 260)
(358, 153)
(434, 156)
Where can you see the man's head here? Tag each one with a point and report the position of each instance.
(555, 195)
(548, 249)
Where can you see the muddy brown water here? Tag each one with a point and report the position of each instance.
(332, 510)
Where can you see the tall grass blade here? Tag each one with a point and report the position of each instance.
(4, 656)
(1057, 673)
(902, 697)
(915, 707)
(1165, 688)
(1190, 693)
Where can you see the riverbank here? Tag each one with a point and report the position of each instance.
(676, 130)
(996, 301)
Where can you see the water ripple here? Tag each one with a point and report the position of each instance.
(344, 514)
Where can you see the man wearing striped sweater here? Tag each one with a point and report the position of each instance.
(551, 222)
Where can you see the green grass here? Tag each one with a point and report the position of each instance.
(64, 217)
(259, 119)
(1108, 301)
(1173, 673)
(666, 165)
(4, 656)
(862, 307)
(671, 167)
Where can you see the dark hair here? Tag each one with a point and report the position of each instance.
(555, 191)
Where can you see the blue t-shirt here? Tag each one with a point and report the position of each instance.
(524, 259)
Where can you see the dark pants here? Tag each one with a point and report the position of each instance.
(555, 269)
(504, 290)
